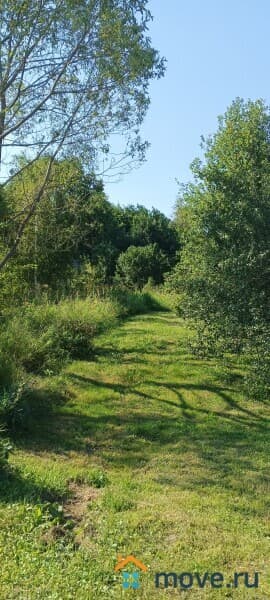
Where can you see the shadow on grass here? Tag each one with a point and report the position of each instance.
(35, 406)
(227, 440)
(15, 488)
(135, 353)
(220, 439)
(170, 320)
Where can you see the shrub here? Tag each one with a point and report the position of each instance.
(5, 448)
(8, 369)
(257, 355)
(12, 406)
(135, 266)
(98, 478)
(224, 216)
(42, 338)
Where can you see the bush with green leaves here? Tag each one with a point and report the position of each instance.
(8, 368)
(140, 263)
(12, 406)
(5, 448)
(224, 216)
(257, 362)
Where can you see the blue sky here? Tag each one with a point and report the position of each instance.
(216, 51)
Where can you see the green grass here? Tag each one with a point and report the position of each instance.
(169, 460)
(42, 338)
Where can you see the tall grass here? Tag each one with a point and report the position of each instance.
(41, 338)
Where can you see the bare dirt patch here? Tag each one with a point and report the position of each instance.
(74, 526)
(75, 508)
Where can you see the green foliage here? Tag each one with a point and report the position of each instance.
(12, 406)
(139, 263)
(42, 338)
(5, 448)
(80, 72)
(223, 274)
(9, 394)
(134, 303)
(74, 206)
(8, 372)
(117, 503)
(98, 478)
(82, 67)
(257, 361)
(73, 243)
(226, 257)
(138, 226)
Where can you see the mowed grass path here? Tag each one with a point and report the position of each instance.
(148, 451)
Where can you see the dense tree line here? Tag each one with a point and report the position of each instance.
(77, 230)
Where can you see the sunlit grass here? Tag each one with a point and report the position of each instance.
(178, 456)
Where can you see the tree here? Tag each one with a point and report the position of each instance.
(141, 227)
(140, 263)
(75, 227)
(100, 226)
(69, 224)
(224, 272)
(71, 75)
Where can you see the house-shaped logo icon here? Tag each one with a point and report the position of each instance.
(130, 579)
(123, 562)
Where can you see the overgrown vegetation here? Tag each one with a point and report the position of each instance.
(78, 241)
(41, 338)
(124, 435)
(223, 273)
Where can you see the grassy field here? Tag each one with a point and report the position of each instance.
(145, 450)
